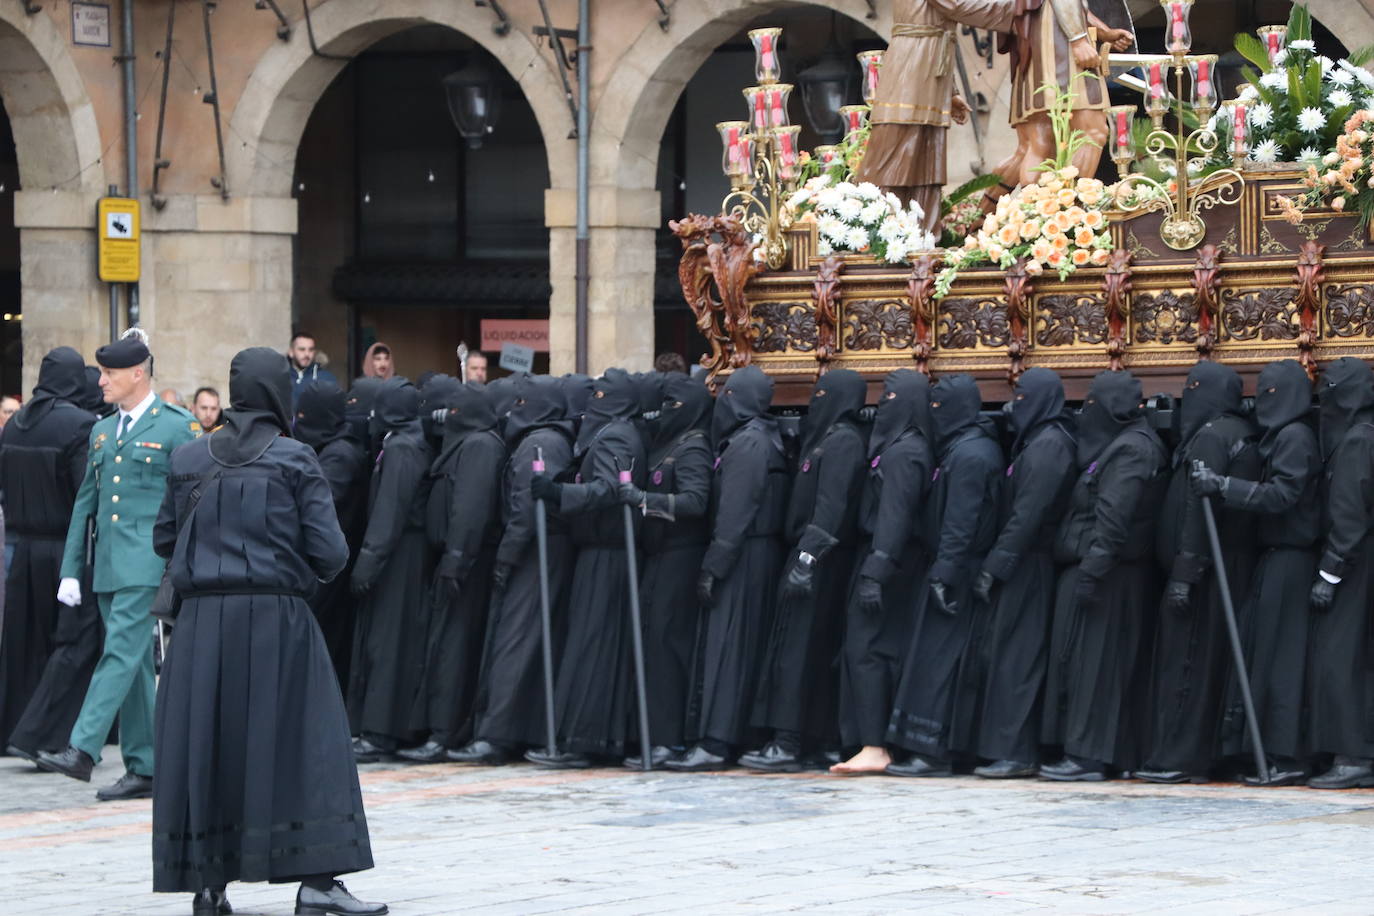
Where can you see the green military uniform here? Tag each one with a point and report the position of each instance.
(123, 488)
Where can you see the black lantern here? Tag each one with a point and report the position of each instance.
(826, 86)
(474, 100)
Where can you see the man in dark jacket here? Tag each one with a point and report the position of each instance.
(797, 689)
(42, 464)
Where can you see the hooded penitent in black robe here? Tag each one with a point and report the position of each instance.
(510, 697)
(798, 687)
(42, 464)
(742, 562)
(1340, 661)
(1192, 655)
(594, 695)
(1021, 564)
(928, 717)
(891, 557)
(464, 527)
(255, 777)
(1284, 507)
(322, 424)
(1105, 600)
(434, 397)
(674, 534)
(392, 574)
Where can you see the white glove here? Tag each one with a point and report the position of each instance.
(69, 592)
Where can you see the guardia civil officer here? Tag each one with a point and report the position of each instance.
(126, 475)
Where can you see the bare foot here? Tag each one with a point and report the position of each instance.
(868, 760)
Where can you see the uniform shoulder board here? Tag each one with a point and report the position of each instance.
(195, 428)
(178, 410)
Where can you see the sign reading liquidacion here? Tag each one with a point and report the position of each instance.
(531, 333)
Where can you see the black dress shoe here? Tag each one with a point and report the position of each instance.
(1346, 773)
(1162, 777)
(658, 756)
(72, 762)
(697, 760)
(365, 751)
(558, 761)
(1068, 770)
(130, 785)
(480, 753)
(772, 758)
(1006, 769)
(15, 750)
(429, 752)
(920, 767)
(211, 902)
(336, 901)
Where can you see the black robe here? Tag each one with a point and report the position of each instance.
(674, 535)
(394, 564)
(890, 553)
(935, 712)
(47, 650)
(1284, 506)
(510, 697)
(1039, 480)
(1192, 654)
(1095, 679)
(255, 776)
(798, 691)
(464, 526)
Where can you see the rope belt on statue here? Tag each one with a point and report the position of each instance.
(946, 36)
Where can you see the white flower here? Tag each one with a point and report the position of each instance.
(857, 240)
(824, 248)
(829, 198)
(1275, 81)
(1326, 62)
(846, 188)
(1311, 120)
(1262, 115)
(849, 209)
(1339, 98)
(868, 191)
(1302, 44)
(831, 228)
(1267, 153)
(1341, 77)
(1280, 57)
(1249, 94)
(820, 181)
(799, 197)
(1309, 156)
(1195, 166)
(873, 213)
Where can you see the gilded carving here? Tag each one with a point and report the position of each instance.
(1164, 317)
(780, 326)
(1350, 310)
(965, 323)
(871, 324)
(1063, 319)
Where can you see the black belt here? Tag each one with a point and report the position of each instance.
(227, 592)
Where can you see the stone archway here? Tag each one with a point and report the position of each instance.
(57, 142)
(1351, 20)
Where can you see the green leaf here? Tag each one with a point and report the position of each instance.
(1299, 23)
(1362, 56)
(1253, 50)
(967, 190)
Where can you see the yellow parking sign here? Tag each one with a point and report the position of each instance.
(117, 223)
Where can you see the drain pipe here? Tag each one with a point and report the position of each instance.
(130, 132)
(582, 280)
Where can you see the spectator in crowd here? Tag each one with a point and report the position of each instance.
(8, 406)
(477, 367)
(170, 396)
(670, 362)
(377, 362)
(205, 405)
(305, 365)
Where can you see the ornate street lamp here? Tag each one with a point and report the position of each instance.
(474, 100)
(825, 87)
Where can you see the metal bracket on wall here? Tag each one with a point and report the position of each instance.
(310, 34)
(30, 7)
(983, 45)
(565, 60)
(665, 14)
(160, 163)
(872, 9)
(211, 98)
(283, 27)
(502, 24)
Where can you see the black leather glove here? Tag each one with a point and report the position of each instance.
(982, 586)
(1177, 596)
(500, 578)
(448, 581)
(1085, 592)
(1323, 593)
(544, 487)
(939, 596)
(869, 595)
(359, 586)
(631, 495)
(706, 587)
(801, 576)
(1206, 482)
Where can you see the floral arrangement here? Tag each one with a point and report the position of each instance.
(1297, 101)
(859, 218)
(1344, 178)
(1057, 224)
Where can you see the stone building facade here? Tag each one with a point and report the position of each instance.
(219, 269)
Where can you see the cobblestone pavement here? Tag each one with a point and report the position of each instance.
(521, 840)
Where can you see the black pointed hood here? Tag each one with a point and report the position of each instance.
(469, 412)
(1112, 406)
(397, 408)
(1283, 395)
(1038, 399)
(837, 397)
(954, 405)
(747, 396)
(1345, 396)
(92, 398)
(686, 406)
(61, 377)
(259, 407)
(615, 396)
(904, 406)
(1211, 391)
(434, 395)
(358, 404)
(539, 403)
(320, 414)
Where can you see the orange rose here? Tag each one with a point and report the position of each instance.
(1047, 207)
(1067, 197)
(1060, 242)
(1041, 250)
(1030, 229)
(1101, 256)
(1034, 268)
(1052, 229)
(1063, 221)
(1081, 257)
(1009, 235)
(1083, 238)
(1056, 259)
(1094, 219)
